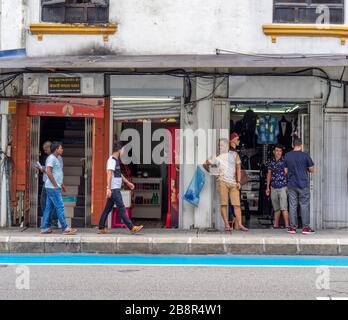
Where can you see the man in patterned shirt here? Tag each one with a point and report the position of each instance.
(277, 186)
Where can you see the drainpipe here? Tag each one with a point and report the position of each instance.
(3, 177)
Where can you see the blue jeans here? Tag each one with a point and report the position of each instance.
(54, 200)
(115, 199)
(53, 221)
(299, 197)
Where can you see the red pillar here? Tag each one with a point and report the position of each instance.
(100, 156)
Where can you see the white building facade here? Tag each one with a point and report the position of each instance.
(269, 52)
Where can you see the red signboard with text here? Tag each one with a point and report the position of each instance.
(68, 107)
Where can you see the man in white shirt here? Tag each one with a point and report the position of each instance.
(53, 221)
(229, 176)
(113, 192)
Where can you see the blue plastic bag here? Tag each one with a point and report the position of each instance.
(195, 187)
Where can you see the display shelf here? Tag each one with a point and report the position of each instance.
(147, 210)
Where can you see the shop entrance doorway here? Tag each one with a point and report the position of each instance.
(283, 120)
(76, 136)
(155, 200)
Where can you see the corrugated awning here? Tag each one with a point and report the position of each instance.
(110, 62)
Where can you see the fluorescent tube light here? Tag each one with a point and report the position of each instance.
(143, 98)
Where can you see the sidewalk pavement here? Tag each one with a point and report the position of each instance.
(171, 241)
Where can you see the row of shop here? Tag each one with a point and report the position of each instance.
(88, 112)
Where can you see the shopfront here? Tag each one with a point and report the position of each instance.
(72, 109)
(146, 111)
(287, 107)
(146, 116)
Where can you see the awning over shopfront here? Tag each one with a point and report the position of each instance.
(112, 62)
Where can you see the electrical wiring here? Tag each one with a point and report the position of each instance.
(193, 76)
(193, 104)
(270, 56)
(4, 83)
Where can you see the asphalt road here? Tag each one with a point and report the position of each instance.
(171, 282)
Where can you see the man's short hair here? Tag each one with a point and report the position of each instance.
(55, 145)
(278, 146)
(297, 142)
(224, 140)
(46, 143)
(117, 146)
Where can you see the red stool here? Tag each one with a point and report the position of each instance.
(116, 219)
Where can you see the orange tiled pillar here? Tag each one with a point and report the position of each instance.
(20, 155)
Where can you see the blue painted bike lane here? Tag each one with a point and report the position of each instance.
(180, 260)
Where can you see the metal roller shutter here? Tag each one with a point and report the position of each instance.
(146, 109)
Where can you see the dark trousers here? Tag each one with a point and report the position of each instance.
(115, 199)
(302, 198)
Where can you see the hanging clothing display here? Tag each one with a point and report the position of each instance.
(232, 127)
(246, 129)
(285, 133)
(267, 129)
(295, 131)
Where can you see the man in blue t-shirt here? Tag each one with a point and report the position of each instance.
(54, 186)
(298, 167)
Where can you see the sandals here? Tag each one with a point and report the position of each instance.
(69, 232)
(243, 229)
(228, 229)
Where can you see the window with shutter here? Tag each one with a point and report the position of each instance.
(309, 11)
(75, 11)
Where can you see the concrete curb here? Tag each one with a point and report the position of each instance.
(173, 245)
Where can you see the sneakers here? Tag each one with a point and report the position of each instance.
(304, 231)
(292, 230)
(136, 229)
(69, 232)
(103, 231)
(308, 231)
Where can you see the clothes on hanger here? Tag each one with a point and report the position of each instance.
(295, 131)
(265, 204)
(246, 129)
(285, 133)
(267, 129)
(232, 127)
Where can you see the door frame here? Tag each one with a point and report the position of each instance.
(335, 116)
(89, 122)
(35, 129)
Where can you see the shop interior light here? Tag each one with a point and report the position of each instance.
(258, 110)
(165, 99)
(292, 109)
(262, 108)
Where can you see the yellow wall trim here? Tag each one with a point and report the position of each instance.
(305, 30)
(41, 29)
